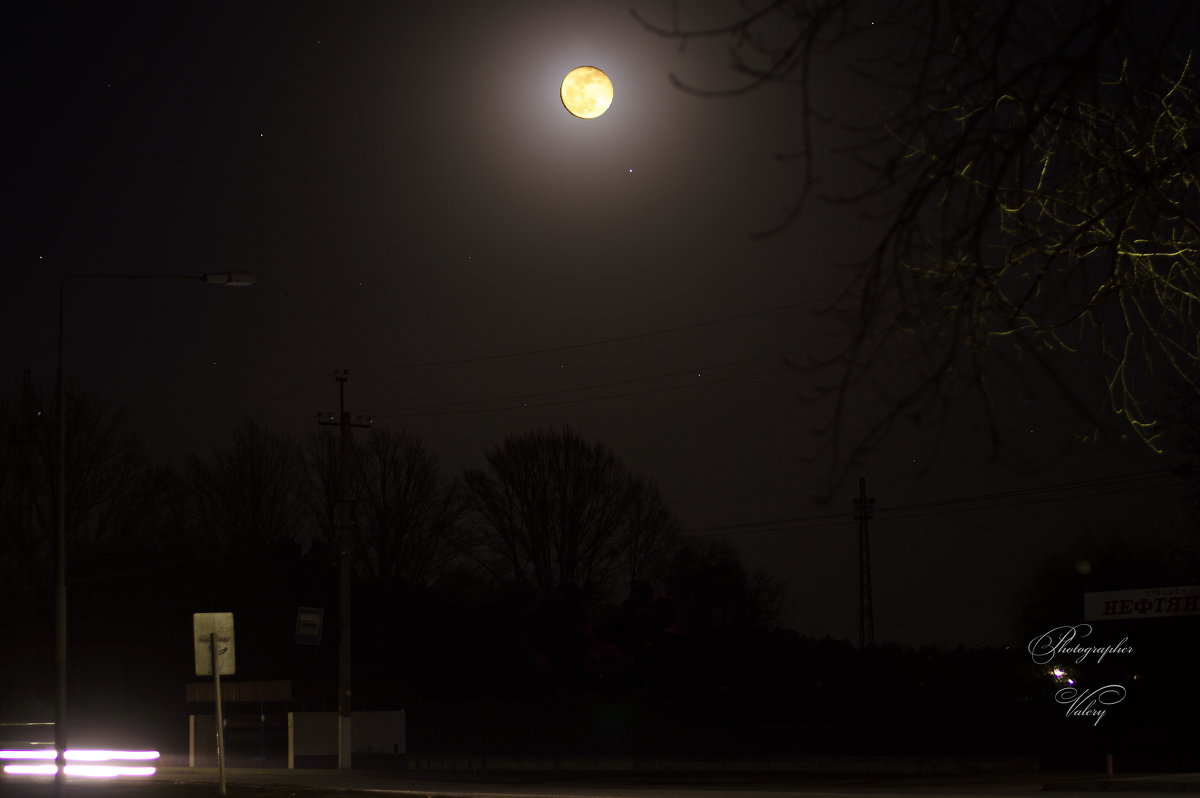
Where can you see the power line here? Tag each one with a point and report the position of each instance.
(1093, 482)
(1095, 487)
(1044, 499)
(774, 466)
(587, 398)
(600, 342)
(410, 411)
(697, 370)
(816, 474)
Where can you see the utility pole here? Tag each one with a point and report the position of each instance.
(864, 508)
(345, 542)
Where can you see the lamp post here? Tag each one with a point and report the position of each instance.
(60, 521)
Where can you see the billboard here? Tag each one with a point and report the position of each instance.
(1150, 602)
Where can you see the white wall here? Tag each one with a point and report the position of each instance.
(316, 734)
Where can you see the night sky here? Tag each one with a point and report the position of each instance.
(419, 208)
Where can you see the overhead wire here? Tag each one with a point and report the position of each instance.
(435, 409)
(598, 342)
(989, 501)
(594, 386)
(408, 411)
(817, 475)
(583, 399)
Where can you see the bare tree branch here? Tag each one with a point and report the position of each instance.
(1037, 184)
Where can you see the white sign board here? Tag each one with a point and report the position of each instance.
(1150, 602)
(204, 625)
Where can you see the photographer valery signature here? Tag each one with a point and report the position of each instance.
(1058, 641)
(1082, 703)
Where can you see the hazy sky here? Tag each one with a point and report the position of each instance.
(419, 208)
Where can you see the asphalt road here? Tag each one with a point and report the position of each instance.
(199, 783)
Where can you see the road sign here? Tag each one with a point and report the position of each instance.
(208, 626)
(309, 621)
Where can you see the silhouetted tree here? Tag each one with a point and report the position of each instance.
(405, 512)
(652, 530)
(1036, 190)
(409, 511)
(247, 496)
(109, 481)
(714, 591)
(322, 486)
(554, 510)
(26, 476)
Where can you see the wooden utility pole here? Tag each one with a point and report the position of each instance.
(345, 551)
(864, 508)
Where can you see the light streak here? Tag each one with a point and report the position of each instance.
(26, 763)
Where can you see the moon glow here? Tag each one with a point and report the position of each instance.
(586, 92)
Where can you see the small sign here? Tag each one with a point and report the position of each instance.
(204, 626)
(1150, 602)
(309, 621)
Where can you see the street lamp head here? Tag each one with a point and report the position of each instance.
(229, 278)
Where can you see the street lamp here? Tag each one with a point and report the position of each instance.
(237, 279)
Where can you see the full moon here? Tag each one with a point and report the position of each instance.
(586, 92)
